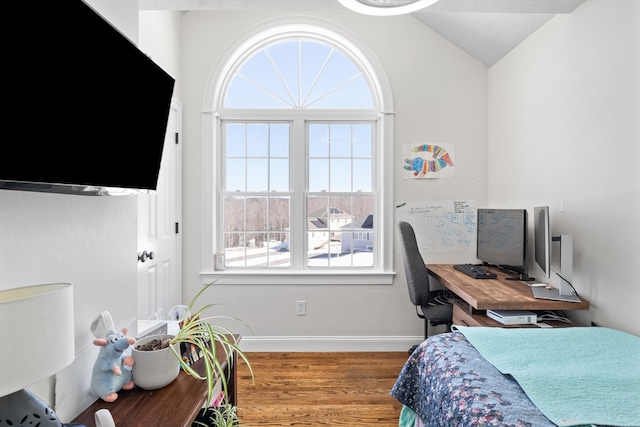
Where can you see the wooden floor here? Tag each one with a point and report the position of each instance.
(320, 389)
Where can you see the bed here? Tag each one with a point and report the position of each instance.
(477, 376)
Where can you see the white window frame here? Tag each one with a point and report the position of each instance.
(212, 112)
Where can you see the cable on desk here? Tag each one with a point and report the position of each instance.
(570, 284)
(553, 316)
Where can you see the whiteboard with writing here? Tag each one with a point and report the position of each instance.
(445, 230)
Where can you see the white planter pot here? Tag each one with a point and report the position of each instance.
(154, 369)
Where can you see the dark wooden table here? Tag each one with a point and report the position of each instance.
(172, 406)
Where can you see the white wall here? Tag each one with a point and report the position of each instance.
(87, 241)
(160, 38)
(440, 95)
(564, 131)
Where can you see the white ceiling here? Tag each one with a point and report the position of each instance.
(485, 29)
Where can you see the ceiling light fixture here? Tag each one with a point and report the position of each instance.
(386, 7)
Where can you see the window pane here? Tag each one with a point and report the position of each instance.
(257, 250)
(235, 134)
(318, 140)
(313, 58)
(279, 175)
(362, 175)
(279, 255)
(256, 211)
(279, 216)
(234, 249)
(318, 175)
(340, 140)
(363, 206)
(279, 220)
(362, 140)
(235, 175)
(258, 72)
(279, 141)
(318, 253)
(317, 206)
(341, 175)
(355, 94)
(243, 94)
(285, 58)
(340, 85)
(233, 214)
(257, 140)
(257, 174)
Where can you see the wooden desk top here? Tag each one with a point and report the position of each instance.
(496, 294)
(174, 405)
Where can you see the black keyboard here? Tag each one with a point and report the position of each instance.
(475, 271)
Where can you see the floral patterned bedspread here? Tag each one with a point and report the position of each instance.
(448, 383)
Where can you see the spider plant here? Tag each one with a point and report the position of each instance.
(223, 416)
(197, 329)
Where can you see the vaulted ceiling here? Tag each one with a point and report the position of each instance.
(485, 29)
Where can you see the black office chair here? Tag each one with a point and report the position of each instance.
(434, 311)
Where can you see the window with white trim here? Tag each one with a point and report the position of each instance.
(298, 149)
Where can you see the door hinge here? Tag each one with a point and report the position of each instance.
(177, 228)
(177, 138)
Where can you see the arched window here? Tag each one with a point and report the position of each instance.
(299, 73)
(298, 143)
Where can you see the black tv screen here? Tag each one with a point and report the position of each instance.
(502, 239)
(86, 106)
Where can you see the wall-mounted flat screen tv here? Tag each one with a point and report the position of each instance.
(84, 105)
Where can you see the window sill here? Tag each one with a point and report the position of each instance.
(270, 277)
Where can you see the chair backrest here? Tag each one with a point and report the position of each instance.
(414, 268)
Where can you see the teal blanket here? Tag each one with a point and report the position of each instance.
(575, 376)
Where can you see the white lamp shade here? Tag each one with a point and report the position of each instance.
(36, 334)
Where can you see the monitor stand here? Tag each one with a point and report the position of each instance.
(553, 294)
(564, 293)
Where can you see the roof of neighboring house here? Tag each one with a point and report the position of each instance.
(319, 219)
(326, 212)
(317, 223)
(362, 222)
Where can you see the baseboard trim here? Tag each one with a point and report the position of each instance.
(327, 343)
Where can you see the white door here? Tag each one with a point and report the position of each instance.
(159, 234)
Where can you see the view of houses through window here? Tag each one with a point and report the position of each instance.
(334, 237)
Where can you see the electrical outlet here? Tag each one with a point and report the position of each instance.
(301, 308)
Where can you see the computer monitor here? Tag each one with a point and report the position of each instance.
(502, 240)
(542, 239)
